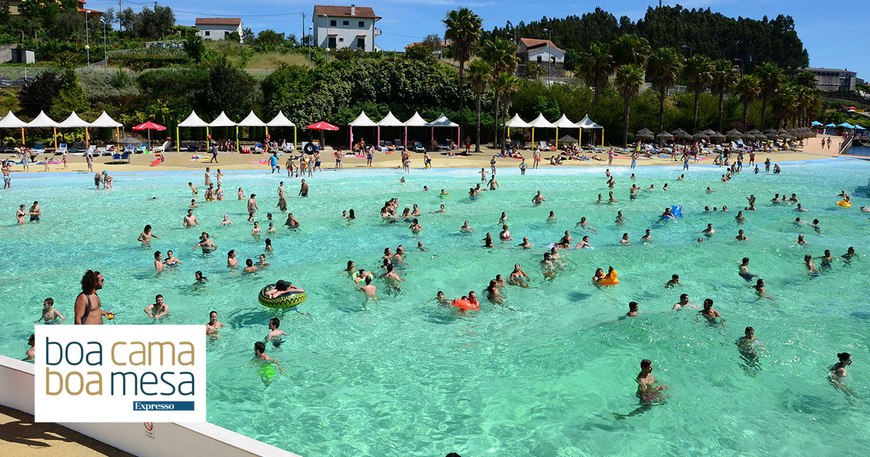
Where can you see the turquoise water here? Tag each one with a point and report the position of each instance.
(407, 377)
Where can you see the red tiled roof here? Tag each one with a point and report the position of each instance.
(364, 12)
(218, 21)
(532, 43)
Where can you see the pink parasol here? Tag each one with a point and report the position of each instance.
(321, 126)
(149, 126)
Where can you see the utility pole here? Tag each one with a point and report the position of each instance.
(302, 37)
(120, 9)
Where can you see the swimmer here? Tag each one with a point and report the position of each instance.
(565, 241)
(275, 334)
(256, 231)
(552, 217)
(526, 244)
(800, 208)
(518, 277)
(815, 226)
(712, 316)
(827, 260)
(647, 237)
(584, 243)
(291, 221)
(465, 228)
(748, 345)
(189, 221)
(739, 218)
(743, 270)
(775, 199)
(268, 246)
(351, 268)
(193, 203)
(708, 231)
(684, 303)
(838, 372)
(282, 287)
(620, 219)
(633, 192)
(443, 194)
(487, 240)
(241, 194)
(213, 325)
(547, 267)
(192, 188)
(472, 298)
(31, 353)
(415, 211)
(849, 255)
(272, 230)
(158, 309)
(612, 199)
(710, 191)
(624, 241)
(442, 209)
(369, 289)
(667, 214)
(260, 355)
(249, 267)
(261, 264)
(50, 316)
(538, 199)
(158, 261)
(675, 281)
(632, 309)
(421, 247)
(171, 260)
(600, 199)
(146, 235)
(415, 227)
(586, 225)
(226, 221)
(801, 241)
(441, 299)
(493, 294)
(200, 279)
(760, 290)
(231, 259)
(647, 391)
(392, 279)
(740, 236)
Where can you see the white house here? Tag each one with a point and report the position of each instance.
(541, 52)
(337, 27)
(217, 28)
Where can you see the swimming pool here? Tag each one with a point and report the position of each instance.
(407, 377)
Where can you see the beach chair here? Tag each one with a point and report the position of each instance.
(61, 150)
(141, 149)
(398, 144)
(162, 147)
(258, 148)
(544, 146)
(418, 147)
(38, 148)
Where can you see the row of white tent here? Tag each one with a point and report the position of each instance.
(390, 120)
(10, 121)
(541, 122)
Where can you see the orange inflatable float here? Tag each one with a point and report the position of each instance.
(465, 304)
(611, 279)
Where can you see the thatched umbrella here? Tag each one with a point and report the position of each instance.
(568, 139)
(716, 136)
(708, 132)
(700, 136)
(681, 134)
(664, 136)
(733, 135)
(645, 134)
(760, 136)
(771, 134)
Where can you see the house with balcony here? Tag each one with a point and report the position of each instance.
(338, 27)
(542, 52)
(218, 28)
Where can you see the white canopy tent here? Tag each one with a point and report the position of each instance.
(587, 124)
(362, 121)
(443, 121)
(74, 122)
(280, 120)
(516, 122)
(388, 121)
(414, 121)
(563, 123)
(11, 121)
(540, 122)
(251, 120)
(192, 121)
(223, 121)
(43, 121)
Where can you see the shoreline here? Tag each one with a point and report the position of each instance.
(235, 161)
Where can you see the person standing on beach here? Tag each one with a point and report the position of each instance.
(214, 153)
(88, 307)
(610, 157)
(537, 158)
(90, 160)
(273, 163)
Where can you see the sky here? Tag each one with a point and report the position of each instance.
(831, 34)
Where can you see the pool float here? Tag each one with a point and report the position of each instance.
(156, 162)
(361, 279)
(676, 211)
(266, 371)
(610, 279)
(288, 300)
(464, 304)
(844, 204)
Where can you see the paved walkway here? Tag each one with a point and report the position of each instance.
(21, 437)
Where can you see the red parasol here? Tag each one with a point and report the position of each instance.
(321, 126)
(149, 126)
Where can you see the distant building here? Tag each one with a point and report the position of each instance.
(541, 52)
(13, 8)
(217, 28)
(337, 27)
(833, 80)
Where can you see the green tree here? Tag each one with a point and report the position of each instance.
(226, 88)
(71, 96)
(535, 71)
(463, 28)
(769, 80)
(505, 84)
(596, 66)
(501, 55)
(747, 88)
(629, 79)
(194, 48)
(724, 76)
(662, 71)
(40, 94)
(630, 49)
(698, 78)
(418, 51)
(480, 73)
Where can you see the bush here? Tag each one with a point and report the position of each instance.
(102, 85)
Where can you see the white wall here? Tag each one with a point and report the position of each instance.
(345, 35)
(164, 439)
(218, 32)
(545, 55)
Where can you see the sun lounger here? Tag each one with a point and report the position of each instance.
(61, 150)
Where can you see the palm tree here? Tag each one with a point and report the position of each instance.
(785, 103)
(629, 79)
(698, 78)
(596, 66)
(724, 76)
(769, 80)
(505, 84)
(662, 70)
(480, 73)
(630, 49)
(463, 28)
(747, 88)
(502, 56)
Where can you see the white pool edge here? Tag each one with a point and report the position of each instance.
(17, 384)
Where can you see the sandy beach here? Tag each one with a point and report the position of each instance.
(180, 161)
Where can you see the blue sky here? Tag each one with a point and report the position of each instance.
(831, 34)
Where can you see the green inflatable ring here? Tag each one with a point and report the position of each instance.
(288, 300)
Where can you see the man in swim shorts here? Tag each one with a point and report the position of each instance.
(744, 270)
(647, 391)
(88, 307)
(158, 309)
(303, 189)
(275, 335)
(35, 211)
(189, 220)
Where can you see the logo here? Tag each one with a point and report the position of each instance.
(120, 373)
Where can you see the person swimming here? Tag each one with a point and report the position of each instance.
(50, 316)
(743, 270)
